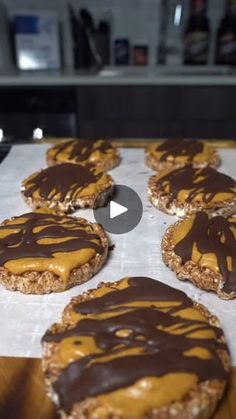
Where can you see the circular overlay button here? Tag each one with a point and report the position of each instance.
(122, 213)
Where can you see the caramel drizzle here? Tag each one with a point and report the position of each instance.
(178, 148)
(82, 149)
(23, 242)
(207, 233)
(161, 352)
(64, 180)
(206, 181)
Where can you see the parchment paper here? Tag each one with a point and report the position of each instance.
(25, 318)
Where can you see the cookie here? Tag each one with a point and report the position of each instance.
(135, 349)
(187, 190)
(67, 187)
(202, 249)
(173, 154)
(42, 253)
(101, 153)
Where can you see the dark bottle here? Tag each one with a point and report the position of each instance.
(197, 34)
(226, 36)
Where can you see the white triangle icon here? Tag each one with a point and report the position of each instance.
(116, 209)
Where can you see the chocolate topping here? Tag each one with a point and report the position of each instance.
(212, 235)
(24, 243)
(160, 351)
(208, 181)
(82, 149)
(63, 180)
(181, 147)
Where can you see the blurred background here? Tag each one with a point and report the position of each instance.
(117, 68)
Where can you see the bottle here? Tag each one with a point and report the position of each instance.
(140, 55)
(226, 36)
(162, 33)
(174, 36)
(170, 45)
(121, 51)
(197, 35)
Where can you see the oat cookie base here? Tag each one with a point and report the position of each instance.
(69, 205)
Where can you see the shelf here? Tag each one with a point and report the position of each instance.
(186, 76)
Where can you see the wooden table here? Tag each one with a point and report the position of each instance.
(22, 392)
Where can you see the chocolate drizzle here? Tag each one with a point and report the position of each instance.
(24, 241)
(206, 181)
(212, 235)
(176, 148)
(64, 180)
(160, 352)
(81, 150)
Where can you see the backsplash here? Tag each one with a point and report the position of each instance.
(136, 20)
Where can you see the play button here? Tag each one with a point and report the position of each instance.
(123, 213)
(116, 209)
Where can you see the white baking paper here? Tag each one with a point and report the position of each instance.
(25, 318)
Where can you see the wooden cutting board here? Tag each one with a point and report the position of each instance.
(22, 392)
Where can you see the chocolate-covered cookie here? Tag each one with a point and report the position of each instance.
(67, 187)
(42, 252)
(187, 190)
(135, 349)
(202, 249)
(172, 154)
(101, 153)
